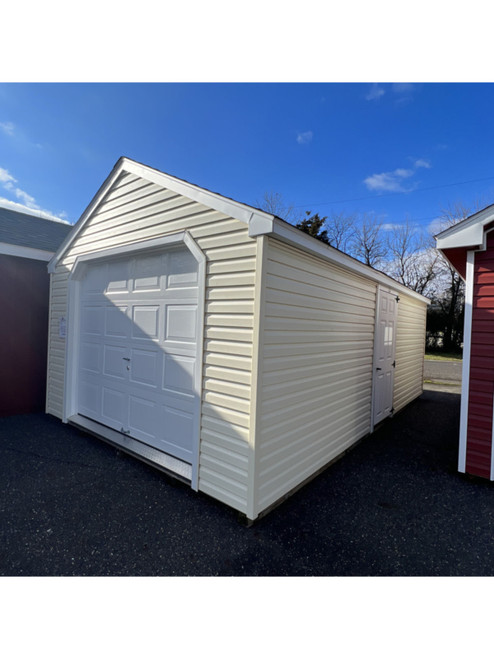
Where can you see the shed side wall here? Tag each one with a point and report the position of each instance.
(409, 355)
(316, 379)
(136, 210)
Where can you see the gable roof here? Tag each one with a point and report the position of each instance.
(457, 240)
(24, 230)
(259, 222)
(467, 233)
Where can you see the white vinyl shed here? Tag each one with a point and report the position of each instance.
(220, 343)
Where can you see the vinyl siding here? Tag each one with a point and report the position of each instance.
(409, 355)
(481, 384)
(135, 210)
(315, 381)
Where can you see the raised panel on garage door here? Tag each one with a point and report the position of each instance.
(138, 349)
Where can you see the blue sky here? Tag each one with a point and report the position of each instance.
(393, 150)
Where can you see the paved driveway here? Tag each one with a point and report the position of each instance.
(394, 505)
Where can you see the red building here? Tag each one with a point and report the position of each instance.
(469, 247)
(27, 243)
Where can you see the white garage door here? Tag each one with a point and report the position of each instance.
(138, 348)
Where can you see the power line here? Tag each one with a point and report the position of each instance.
(394, 194)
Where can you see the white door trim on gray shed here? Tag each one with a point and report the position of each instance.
(72, 411)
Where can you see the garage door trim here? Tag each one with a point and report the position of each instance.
(72, 343)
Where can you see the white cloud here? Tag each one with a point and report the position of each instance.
(5, 177)
(390, 227)
(7, 127)
(402, 87)
(394, 181)
(29, 202)
(305, 138)
(21, 208)
(436, 226)
(389, 181)
(375, 93)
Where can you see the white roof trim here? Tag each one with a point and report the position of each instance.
(468, 232)
(213, 200)
(25, 252)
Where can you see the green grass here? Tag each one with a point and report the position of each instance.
(444, 356)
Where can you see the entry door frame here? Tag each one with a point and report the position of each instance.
(72, 342)
(380, 292)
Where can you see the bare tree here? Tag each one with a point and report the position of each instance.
(413, 258)
(273, 202)
(367, 243)
(340, 229)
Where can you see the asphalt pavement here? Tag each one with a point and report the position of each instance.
(441, 371)
(394, 505)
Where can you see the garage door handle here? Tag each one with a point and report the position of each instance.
(127, 359)
(378, 368)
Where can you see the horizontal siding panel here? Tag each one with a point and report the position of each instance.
(316, 362)
(294, 452)
(225, 464)
(229, 361)
(234, 251)
(223, 281)
(224, 427)
(325, 294)
(216, 490)
(227, 375)
(229, 334)
(214, 476)
(289, 379)
(232, 238)
(229, 307)
(274, 489)
(229, 266)
(226, 401)
(227, 443)
(313, 271)
(290, 350)
(230, 293)
(216, 411)
(315, 313)
(409, 356)
(228, 347)
(228, 387)
(280, 393)
(229, 320)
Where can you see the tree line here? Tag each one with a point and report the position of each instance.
(405, 251)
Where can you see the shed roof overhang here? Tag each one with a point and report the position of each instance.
(258, 221)
(469, 234)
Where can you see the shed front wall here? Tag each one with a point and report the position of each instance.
(136, 210)
(316, 362)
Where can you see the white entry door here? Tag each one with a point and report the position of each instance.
(138, 348)
(384, 355)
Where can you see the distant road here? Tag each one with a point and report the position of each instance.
(442, 371)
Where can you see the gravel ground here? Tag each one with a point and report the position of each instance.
(394, 505)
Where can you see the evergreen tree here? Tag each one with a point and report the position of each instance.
(314, 226)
